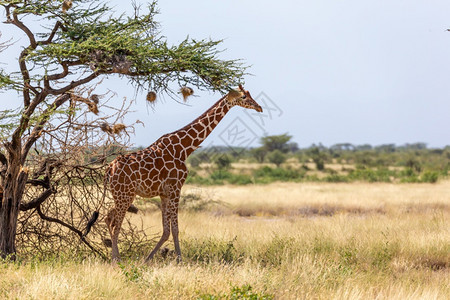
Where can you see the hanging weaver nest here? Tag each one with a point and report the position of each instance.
(151, 97)
(116, 129)
(93, 107)
(186, 92)
(67, 4)
(106, 128)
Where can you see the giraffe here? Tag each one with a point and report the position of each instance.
(160, 170)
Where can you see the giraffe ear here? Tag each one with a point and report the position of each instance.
(233, 94)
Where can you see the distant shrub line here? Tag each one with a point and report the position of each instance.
(409, 163)
(266, 174)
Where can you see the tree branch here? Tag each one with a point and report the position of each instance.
(23, 67)
(49, 40)
(35, 134)
(75, 230)
(43, 183)
(37, 201)
(24, 28)
(72, 85)
(65, 65)
(26, 76)
(3, 159)
(14, 146)
(63, 74)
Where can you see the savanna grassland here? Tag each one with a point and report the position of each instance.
(309, 240)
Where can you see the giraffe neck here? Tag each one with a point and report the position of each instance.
(193, 134)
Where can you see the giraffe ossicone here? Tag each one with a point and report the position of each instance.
(160, 170)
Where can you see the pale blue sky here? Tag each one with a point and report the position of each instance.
(338, 71)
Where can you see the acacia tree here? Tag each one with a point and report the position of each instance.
(82, 42)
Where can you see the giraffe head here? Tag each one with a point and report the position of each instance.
(243, 98)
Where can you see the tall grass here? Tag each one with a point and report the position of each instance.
(296, 241)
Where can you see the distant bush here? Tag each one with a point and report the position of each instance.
(267, 174)
(429, 176)
(219, 177)
(223, 161)
(336, 178)
(240, 179)
(276, 157)
(194, 161)
(371, 175)
(408, 164)
(259, 153)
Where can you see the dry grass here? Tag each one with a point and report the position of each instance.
(290, 241)
(330, 198)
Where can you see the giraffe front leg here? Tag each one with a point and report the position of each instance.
(166, 229)
(174, 226)
(174, 229)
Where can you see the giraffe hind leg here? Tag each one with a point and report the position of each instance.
(114, 221)
(109, 220)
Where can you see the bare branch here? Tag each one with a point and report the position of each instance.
(26, 76)
(39, 182)
(63, 74)
(39, 127)
(37, 201)
(24, 28)
(49, 40)
(3, 159)
(75, 230)
(72, 85)
(65, 65)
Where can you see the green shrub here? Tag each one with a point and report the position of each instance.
(336, 178)
(240, 179)
(276, 157)
(223, 162)
(370, 175)
(220, 175)
(267, 174)
(194, 161)
(429, 176)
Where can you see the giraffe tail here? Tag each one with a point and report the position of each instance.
(91, 223)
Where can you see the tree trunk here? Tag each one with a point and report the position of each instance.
(13, 189)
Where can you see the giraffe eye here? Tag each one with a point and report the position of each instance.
(245, 96)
